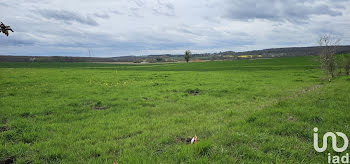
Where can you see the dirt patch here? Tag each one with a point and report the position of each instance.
(99, 106)
(4, 128)
(291, 118)
(180, 140)
(193, 92)
(9, 160)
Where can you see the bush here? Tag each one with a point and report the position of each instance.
(347, 66)
(187, 55)
(137, 61)
(159, 59)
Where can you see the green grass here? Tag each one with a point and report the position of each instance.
(245, 111)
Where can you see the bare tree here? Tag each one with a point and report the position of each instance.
(328, 45)
(187, 55)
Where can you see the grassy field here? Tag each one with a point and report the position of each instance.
(245, 111)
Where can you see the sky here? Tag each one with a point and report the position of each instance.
(109, 28)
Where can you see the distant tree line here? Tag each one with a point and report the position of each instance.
(227, 55)
(51, 59)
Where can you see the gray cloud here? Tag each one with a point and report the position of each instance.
(141, 27)
(102, 15)
(135, 12)
(277, 10)
(139, 3)
(164, 8)
(15, 41)
(67, 16)
(4, 4)
(117, 12)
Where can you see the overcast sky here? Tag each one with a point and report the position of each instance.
(142, 27)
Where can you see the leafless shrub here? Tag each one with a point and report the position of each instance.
(328, 45)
